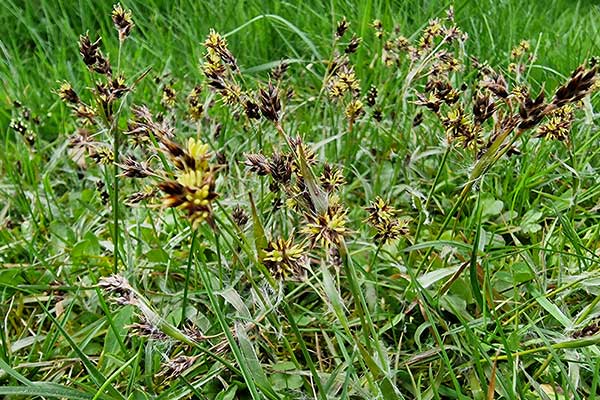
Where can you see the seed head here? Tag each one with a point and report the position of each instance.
(284, 259)
(344, 81)
(123, 21)
(195, 106)
(280, 167)
(328, 228)
(146, 329)
(218, 45)
(331, 178)
(175, 367)
(342, 27)
(258, 164)
(239, 216)
(353, 45)
(581, 83)
(558, 125)
(354, 110)
(89, 51)
(135, 169)
(67, 94)
(137, 197)
(169, 96)
(269, 102)
(372, 96)
(279, 71)
(119, 287)
(251, 109)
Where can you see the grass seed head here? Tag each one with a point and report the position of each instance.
(68, 94)
(284, 259)
(123, 21)
(342, 27)
(269, 102)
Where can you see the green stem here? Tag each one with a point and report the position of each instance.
(187, 277)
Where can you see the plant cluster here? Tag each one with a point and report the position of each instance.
(296, 283)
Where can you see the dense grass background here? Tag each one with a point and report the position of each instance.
(542, 258)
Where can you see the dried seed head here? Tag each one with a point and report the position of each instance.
(90, 52)
(280, 166)
(532, 111)
(251, 109)
(558, 125)
(175, 367)
(269, 102)
(258, 163)
(353, 45)
(450, 14)
(195, 106)
(146, 329)
(239, 216)
(483, 108)
(497, 85)
(417, 119)
(328, 228)
(67, 94)
(135, 169)
(331, 178)
(284, 259)
(372, 96)
(342, 27)
(104, 195)
(119, 287)
(279, 71)
(123, 21)
(581, 83)
(118, 87)
(147, 193)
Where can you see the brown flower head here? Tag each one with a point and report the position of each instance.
(123, 21)
(284, 259)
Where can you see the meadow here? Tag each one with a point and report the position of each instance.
(294, 200)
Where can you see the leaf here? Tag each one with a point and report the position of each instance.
(491, 207)
(318, 197)
(228, 394)
(251, 359)
(521, 272)
(233, 298)
(430, 278)
(529, 221)
(44, 389)
(551, 308)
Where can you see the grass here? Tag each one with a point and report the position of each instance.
(491, 292)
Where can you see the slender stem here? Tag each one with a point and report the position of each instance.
(114, 123)
(429, 196)
(187, 276)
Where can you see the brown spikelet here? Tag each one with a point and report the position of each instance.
(269, 102)
(580, 84)
(258, 163)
